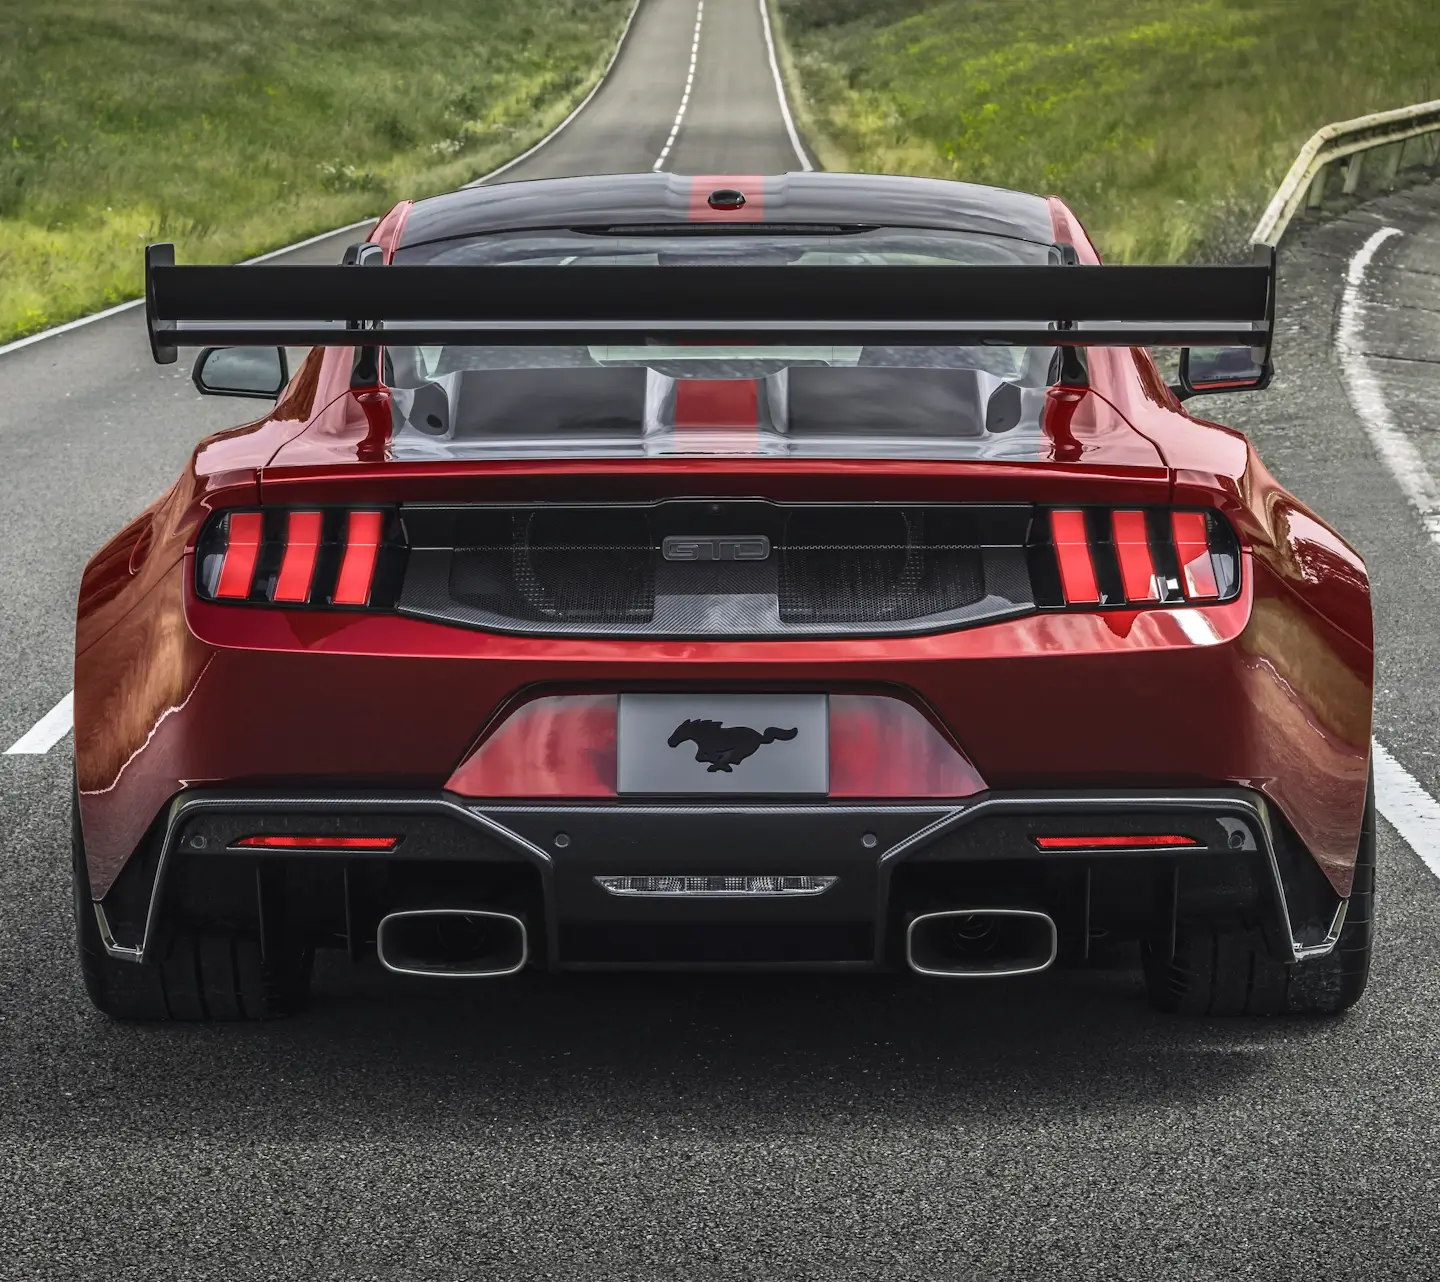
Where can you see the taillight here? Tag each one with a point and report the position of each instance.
(312, 557)
(564, 745)
(1086, 557)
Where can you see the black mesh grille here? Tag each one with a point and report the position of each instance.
(565, 565)
(833, 570)
(878, 564)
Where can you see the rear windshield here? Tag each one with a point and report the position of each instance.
(657, 399)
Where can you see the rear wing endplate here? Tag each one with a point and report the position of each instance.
(1059, 306)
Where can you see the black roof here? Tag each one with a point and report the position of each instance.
(609, 200)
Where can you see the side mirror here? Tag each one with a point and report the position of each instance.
(261, 372)
(1210, 370)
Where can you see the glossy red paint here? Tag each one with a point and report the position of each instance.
(1271, 690)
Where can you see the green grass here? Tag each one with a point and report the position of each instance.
(1165, 123)
(235, 126)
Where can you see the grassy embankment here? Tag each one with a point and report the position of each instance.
(235, 126)
(1165, 123)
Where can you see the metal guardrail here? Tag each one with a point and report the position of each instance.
(1305, 183)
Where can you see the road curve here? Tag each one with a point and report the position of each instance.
(662, 1127)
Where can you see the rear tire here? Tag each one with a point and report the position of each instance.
(199, 974)
(1231, 972)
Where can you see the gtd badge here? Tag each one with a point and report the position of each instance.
(725, 547)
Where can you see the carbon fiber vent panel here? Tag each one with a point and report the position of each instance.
(833, 570)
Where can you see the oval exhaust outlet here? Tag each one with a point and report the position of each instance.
(461, 943)
(981, 943)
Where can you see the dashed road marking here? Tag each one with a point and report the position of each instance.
(46, 732)
(1362, 385)
(685, 97)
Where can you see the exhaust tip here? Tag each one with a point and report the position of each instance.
(458, 943)
(981, 943)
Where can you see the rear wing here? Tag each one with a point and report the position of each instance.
(1059, 306)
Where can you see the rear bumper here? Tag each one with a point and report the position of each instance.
(884, 865)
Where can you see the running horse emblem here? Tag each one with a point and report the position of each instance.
(725, 747)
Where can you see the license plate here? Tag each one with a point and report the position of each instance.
(730, 744)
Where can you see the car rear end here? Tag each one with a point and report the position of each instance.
(901, 649)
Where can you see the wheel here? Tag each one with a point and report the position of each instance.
(200, 974)
(1230, 972)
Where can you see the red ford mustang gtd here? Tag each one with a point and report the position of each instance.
(645, 571)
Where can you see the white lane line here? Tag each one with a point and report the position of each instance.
(1413, 812)
(685, 97)
(46, 732)
(1362, 385)
(780, 90)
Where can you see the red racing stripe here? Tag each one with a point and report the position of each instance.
(717, 402)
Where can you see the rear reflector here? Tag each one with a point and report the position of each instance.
(302, 546)
(288, 841)
(1126, 841)
(1072, 548)
(1132, 548)
(357, 570)
(242, 550)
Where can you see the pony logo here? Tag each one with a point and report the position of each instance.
(725, 747)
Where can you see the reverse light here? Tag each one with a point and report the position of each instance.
(308, 557)
(328, 841)
(1086, 557)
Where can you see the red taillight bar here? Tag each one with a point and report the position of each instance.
(242, 550)
(1192, 550)
(362, 546)
(1130, 841)
(302, 546)
(1132, 550)
(288, 841)
(1072, 549)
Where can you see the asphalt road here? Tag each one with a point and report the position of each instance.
(682, 1127)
